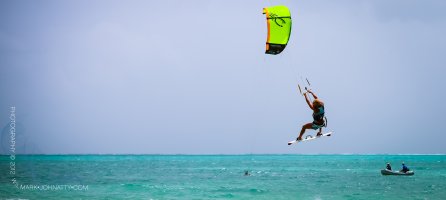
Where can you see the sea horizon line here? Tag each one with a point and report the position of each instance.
(241, 154)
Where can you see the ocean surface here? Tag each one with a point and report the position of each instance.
(220, 177)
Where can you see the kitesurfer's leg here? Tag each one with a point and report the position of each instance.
(306, 126)
(320, 132)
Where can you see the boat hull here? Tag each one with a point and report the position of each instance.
(388, 172)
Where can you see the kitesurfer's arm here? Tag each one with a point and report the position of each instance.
(314, 96)
(308, 101)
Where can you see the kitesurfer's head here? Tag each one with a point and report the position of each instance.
(318, 103)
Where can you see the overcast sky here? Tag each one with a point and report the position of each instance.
(191, 77)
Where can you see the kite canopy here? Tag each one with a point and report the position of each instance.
(278, 19)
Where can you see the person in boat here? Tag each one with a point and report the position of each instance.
(404, 169)
(388, 167)
(318, 115)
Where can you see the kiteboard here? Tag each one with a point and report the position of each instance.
(310, 137)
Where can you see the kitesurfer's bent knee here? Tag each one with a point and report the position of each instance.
(304, 127)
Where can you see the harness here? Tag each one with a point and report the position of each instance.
(319, 115)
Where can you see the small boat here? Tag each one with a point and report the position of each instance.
(389, 172)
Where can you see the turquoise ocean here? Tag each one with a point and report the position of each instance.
(220, 177)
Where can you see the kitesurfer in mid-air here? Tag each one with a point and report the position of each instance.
(318, 115)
